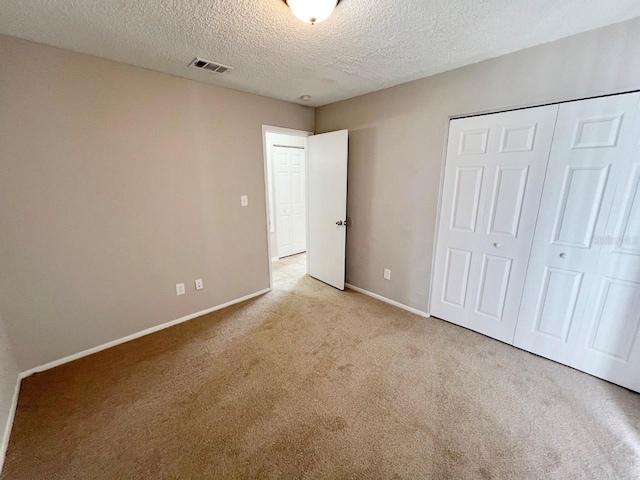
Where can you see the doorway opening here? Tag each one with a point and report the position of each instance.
(289, 269)
(306, 203)
(285, 157)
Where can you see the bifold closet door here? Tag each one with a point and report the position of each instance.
(494, 173)
(581, 302)
(290, 200)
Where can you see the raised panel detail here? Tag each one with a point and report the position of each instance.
(628, 239)
(284, 227)
(517, 138)
(494, 282)
(580, 201)
(456, 277)
(298, 228)
(284, 188)
(556, 304)
(473, 142)
(597, 132)
(617, 318)
(508, 196)
(466, 198)
(297, 188)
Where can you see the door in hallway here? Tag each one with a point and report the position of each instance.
(328, 207)
(290, 189)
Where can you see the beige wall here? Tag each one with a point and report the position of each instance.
(116, 183)
(8, 380)
(397, 140)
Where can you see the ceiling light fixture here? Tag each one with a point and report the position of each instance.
(312, 11)
(305, 98)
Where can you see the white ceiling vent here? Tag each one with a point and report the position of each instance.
(209, 65)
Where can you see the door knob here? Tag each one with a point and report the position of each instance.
(339, 223)
(497, 245)
(563, 255)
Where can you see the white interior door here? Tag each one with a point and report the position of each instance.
(494, 174)
(290, 186)
(327, 182)
(574, 277)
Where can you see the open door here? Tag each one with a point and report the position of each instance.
(327, 219)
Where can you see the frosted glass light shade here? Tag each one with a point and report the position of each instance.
(312, 11)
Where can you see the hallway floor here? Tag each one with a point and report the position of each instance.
(288, 269)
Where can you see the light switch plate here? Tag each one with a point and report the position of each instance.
(199, 284)
(244, 200)
(387, 274)
(180, 290)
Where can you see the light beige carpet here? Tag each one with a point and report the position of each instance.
(315, 383)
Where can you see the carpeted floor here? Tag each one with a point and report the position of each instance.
(307, 381)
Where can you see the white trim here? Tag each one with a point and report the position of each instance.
(9, 424)
(275, 259)
(133, 336)
(387, 300)
(436, 230)
(306, 204)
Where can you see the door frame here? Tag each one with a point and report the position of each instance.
(296, 133)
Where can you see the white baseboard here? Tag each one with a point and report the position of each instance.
(7, 429)
(275, 259)
(387, 300)
(133, 336)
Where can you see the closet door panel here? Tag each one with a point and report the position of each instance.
(609, 345)
(493, 181)
(298, 202)
(591, 138)
(284, 217)
(516, 168)
(461, 212)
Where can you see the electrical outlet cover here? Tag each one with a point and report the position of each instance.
(180, 290)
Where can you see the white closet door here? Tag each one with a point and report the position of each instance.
(290, 200)
(298, 202)
(590, 148)
(493, 182)
(608, 344)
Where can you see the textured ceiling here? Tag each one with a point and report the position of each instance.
(365, 45)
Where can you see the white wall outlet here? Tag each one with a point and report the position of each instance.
(244, 200)
(199, 284)
(180, 290)
(387, 274)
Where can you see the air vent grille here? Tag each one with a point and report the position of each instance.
(210, 66)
